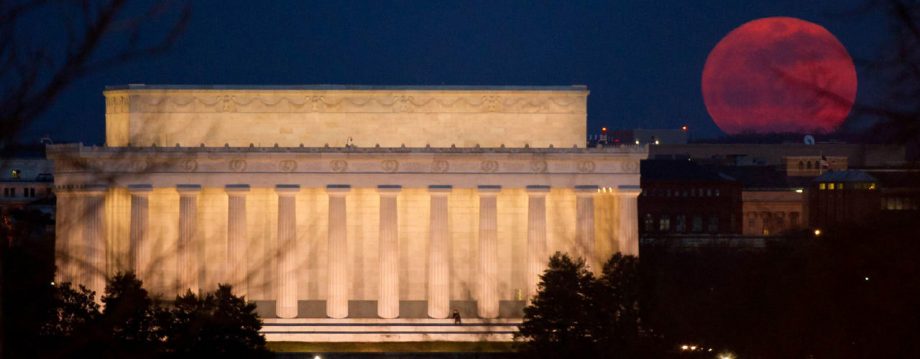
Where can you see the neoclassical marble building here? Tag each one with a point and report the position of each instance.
(344, 202)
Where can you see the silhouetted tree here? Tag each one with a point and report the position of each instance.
(72, 311)
(39, 62)
(28, 268)
(129, 314)
(898, 69)
(557, 321)
(216, 324)
(575, 314)
(616, 302)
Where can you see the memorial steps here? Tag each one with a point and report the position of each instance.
(388, 330)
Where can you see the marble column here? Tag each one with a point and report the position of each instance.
(187, 248)
(66, 235)
(92, 266)
(337, 272)
(236, 264)
(438, 253)
(628, 230)
(536, 236)
(286, 300)
(584, 225)
(388, 255)
(487, 300)
(140, 246)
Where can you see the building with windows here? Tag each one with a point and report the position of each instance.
(680, 197)
(837, 197)
(347, 213)
(27, 183)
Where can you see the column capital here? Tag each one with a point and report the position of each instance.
(188, 189)
(628, 190)
(440, 189)
(338, 189)
(537, 190)
(389, 189)
(140, 189)
(92, 189)
(488, 190)
(236, 188)
(586, 190)
(287, 189)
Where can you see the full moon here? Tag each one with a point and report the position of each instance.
(779, 74)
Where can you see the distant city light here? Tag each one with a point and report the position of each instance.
(726, 356)
(799, 190)
(683, 128)
(637, 142)
(684, 347)
(817, 232)
(867, 279)
(657, 142)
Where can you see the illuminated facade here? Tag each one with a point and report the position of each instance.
(358, 205)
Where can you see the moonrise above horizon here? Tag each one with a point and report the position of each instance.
(779, 74)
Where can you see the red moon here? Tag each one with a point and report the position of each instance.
(779, 74)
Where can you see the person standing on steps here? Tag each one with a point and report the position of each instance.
(456, 316)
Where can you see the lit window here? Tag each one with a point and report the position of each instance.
(822, 186)
(872, 186)
(830, 186)
(649, 222)
(15, 174)
(664, 224)
(840, 186)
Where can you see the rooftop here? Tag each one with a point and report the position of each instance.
(578, 88)
(845, 176)
(70, 147)
(681, 170)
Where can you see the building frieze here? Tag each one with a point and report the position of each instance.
(300, 102)
(76, 158)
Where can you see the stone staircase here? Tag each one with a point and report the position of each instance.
(388, 330)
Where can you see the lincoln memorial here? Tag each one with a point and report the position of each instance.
(344, 204)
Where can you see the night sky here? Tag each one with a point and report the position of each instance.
(641, 60)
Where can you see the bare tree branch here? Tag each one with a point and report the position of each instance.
(32, 77)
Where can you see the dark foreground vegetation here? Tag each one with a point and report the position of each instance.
(43, 319)
(852, 292)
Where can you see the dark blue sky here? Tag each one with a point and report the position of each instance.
(641, 60)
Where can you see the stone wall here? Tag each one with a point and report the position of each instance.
(141, 115)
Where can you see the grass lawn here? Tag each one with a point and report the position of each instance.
(399, 347)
